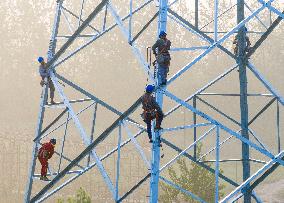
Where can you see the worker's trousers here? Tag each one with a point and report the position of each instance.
(51, 88)
(44, 166)
(148, 121)
(163, 73)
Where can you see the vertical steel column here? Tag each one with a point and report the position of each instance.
(215, 20)
(50, 53)
(196, 13)
(278, 127)
(194, 129)
(217, 167)
(118, 163)
(154, 182)
(242, 61)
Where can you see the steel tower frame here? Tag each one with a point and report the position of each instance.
(165, 13)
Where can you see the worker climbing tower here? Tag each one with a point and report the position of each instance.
(200, 38)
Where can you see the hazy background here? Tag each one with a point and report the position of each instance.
(108, 69)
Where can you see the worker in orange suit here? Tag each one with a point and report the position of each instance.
(45, 152)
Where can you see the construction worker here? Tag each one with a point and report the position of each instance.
(45, 152)
(235, 43)
(43, 71)
(163, 57)
(151, 111)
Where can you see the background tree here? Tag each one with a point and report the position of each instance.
(193, 178)
(80, 197)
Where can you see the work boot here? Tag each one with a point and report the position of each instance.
(157, 128)
(44, 178)
(164, 83)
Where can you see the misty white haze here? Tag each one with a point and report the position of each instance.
(109, 70)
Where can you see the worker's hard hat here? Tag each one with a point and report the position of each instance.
(53, 141)
(162, 33)
(150, 88)
(40, 59)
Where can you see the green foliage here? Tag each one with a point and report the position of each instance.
(80, 197)
(195, 179)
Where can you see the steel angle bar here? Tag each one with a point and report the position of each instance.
(55, 173)
(70, 27)
(230, 8)
(272, 8)
(264, 36)
(118, 163)
(76, 33)
(236, 122)
(234, 95)
(203, 88)
(203, 115)
(92, 130)
(141, 127)
(212, 149)
(134, 187)
(143, 28)
(81, 12)
(278, 127)
(105, 19)
(63, 143)
(182, 190)
(137, 146)
(264, 175)
(98, 36)
(170, 4)
(211, 170)
(51, 124)
(252, 50)
(188, 49)
(185, 127)
(173, 17)
(219, 111)
(60, 125)
(130, 20)
(259, 20)
(249, 123)
(221, 40)
(87, 150)
(81, 20)
(252, 177)
(258, 139)
(188, 25)
(265, 83)
(216, 20)
(135, 50)
(217, 166)
(91, 96)
(234, 160)
(188, 148)
(76, 101)
(83, 134)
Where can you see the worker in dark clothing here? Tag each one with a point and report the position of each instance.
(45, 152)
(43, 71)
(151, 111)
(163, 57)
(236, 46)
